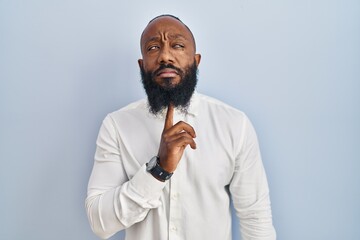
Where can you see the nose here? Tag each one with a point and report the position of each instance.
(165, 55)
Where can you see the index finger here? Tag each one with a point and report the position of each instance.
(169, 117)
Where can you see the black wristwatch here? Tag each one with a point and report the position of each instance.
(158, 172)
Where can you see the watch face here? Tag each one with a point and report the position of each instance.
(151, 164)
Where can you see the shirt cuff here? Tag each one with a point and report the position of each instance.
(145, 185)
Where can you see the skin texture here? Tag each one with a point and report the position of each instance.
(167, 41)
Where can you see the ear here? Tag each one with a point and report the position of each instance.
(141, 63)
(197, 59)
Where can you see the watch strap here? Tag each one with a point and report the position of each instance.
(159, 173)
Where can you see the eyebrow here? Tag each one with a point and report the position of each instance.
(170, 36)
(176, 36)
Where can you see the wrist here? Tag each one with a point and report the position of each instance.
(155, 169)
(167, 167)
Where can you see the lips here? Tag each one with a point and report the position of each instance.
(167, 73)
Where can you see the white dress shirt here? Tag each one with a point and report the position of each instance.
(195, 203)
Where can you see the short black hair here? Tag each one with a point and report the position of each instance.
(176, 18)
(166, 15)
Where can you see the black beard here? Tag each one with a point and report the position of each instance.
(160, 97)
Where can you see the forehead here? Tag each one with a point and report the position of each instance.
(165, 26)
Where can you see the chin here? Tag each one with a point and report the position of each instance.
(168, 83)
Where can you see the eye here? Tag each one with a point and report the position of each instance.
(178, 46)
(152, 48)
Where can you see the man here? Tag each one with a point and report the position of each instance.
(166, 167)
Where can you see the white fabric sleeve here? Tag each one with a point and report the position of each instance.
(249, 189)
(113, 201)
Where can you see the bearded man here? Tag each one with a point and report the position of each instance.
(168, 166)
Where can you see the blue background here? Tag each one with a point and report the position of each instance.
(292, 66)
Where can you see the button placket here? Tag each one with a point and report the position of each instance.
(175, 214)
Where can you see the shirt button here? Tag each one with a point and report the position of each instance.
(173, 228)
(174, 196)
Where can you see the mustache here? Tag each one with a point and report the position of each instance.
(159, 97)
(163, 66)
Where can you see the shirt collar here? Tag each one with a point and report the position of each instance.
(194, 104)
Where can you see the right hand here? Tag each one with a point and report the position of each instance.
(174, 140)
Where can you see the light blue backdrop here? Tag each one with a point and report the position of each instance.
(292, 66)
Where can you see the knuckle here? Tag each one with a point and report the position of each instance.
(180, 123)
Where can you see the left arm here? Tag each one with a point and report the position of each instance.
(249, 190)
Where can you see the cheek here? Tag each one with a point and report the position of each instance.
(150, 60)
(148, 66)
(186, 59)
